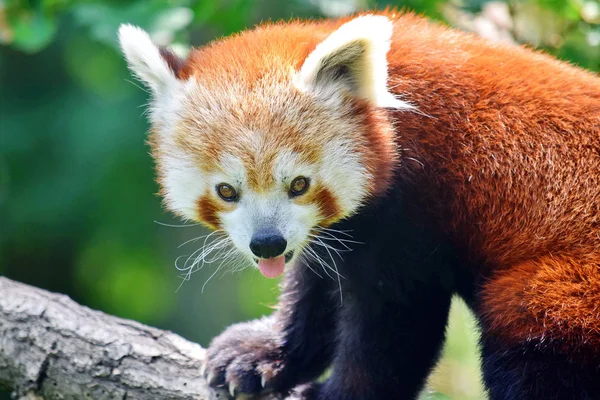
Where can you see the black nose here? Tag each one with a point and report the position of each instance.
(267, 243)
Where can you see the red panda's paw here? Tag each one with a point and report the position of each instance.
(246, 359)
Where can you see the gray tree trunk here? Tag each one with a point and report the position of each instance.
(53, 348)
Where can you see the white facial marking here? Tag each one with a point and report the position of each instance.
(352, 59)
(183, 184)
(344, 175)
(181, 178)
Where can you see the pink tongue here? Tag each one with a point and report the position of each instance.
(271, 267)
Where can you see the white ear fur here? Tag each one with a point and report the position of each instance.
(353, 58)
(144, 58)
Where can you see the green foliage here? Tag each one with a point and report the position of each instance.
(77, 208)
(430, 8)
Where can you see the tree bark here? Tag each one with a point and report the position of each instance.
(53, 348)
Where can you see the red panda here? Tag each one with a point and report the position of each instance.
(447, 163)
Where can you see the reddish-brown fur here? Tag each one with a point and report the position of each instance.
(554, 300)
(328, 207)
(504, 154)
(208, 208)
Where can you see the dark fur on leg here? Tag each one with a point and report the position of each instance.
(395, 306)
(528, 372)
(386, 351)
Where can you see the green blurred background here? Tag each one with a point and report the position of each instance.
(77, 197)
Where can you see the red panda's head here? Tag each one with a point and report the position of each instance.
(272, 133)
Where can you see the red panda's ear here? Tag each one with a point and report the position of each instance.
(156, 67)
(352, 59)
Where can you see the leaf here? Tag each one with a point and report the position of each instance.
(161, 19)
(31, 30)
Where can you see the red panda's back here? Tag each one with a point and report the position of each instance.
(509, 141)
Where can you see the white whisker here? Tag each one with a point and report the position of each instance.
(320, 260)
(214, 273)
(195, 239)
(320, 238)
(323, 229)
(216, 250)
(306, 259)
(138, 86)
(317, 240)
(331, 235)
(175, 226)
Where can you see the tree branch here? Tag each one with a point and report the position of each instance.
(54, 348)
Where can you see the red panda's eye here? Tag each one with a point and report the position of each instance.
(298, 186)
(226, 192)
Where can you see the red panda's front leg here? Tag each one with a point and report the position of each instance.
(386, 348)
(276, 353)
(541, 329)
